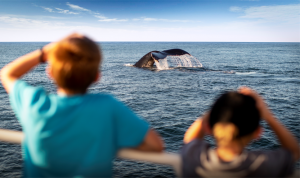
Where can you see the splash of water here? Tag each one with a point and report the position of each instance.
(162, 64)
(178, 61)
(130, 65)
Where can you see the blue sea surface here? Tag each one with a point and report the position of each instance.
(170, 100)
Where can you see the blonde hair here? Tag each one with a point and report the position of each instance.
(75, 63)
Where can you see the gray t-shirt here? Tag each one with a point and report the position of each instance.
(200, 160)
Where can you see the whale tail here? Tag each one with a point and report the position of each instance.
(148, 59)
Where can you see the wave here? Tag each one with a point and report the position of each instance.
(245, 73)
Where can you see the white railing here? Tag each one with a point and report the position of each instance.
(170, 159)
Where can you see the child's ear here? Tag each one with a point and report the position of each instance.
(207, 128)
(257, 133)
(98, 77)
(49, 72)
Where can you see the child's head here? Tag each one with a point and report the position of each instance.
(233, 116)
(74, 63)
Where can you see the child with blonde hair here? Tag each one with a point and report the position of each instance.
(234, 122)
(72, 133)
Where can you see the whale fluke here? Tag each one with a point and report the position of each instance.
(148, 59)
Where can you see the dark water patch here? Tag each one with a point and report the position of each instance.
(138, 168)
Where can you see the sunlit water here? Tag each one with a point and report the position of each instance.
(170, 100)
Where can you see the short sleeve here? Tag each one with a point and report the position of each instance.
(190, 157)
(281, 160)
(27, 100)
(130, 129)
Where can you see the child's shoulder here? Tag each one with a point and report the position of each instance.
(101, 97)
(93, 96)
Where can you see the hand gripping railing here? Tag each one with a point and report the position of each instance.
(171, 159)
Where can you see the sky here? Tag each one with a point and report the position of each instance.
(151, 20)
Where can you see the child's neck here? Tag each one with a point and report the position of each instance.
(228, 153)
(63, 92)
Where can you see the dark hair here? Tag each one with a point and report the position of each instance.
(236, 108)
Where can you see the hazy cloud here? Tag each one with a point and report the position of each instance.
(63, 11)
(48, 9)
(163, 20)
(168, 20)
(150, 19)
(14, 28)
(287, 13)
(105, 19)
(58, 10)
(26, 22)
(76, 7)
(95, 14)
(279, 13)
(100, 16)
(113, 20)
(235, 9)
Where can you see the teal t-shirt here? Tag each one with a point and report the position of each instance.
(73, 136)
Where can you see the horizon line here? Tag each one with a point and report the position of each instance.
(163, 41)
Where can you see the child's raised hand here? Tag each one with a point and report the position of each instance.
(46, 50)
(260, 103)
(198, 129)
(285, 137)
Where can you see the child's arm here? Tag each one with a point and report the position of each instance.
(17, 68)
(286, 138)
(197, 130)
(152, 142)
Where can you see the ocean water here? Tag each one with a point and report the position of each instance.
(170, 100)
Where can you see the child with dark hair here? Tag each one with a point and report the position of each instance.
(234, 122)
(72, 133)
